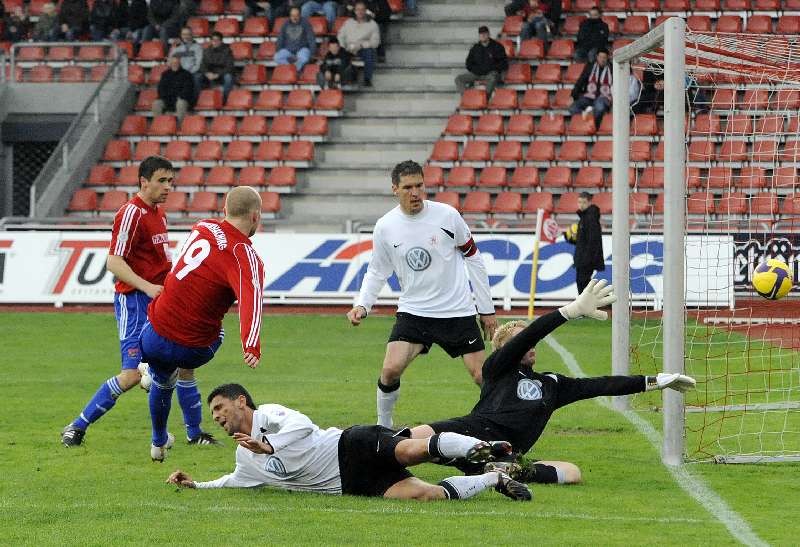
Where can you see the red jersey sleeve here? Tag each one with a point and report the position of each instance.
(126, 222)
(248, 284)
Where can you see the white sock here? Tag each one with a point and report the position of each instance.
(453, 445)
(462, 488)
(386, 402)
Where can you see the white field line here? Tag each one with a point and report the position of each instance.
(691, 484)
(408, 509)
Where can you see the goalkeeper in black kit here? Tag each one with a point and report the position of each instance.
(516, 402)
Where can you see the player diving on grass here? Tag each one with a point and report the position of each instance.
(216, 266)
(430, 248)
(139, 259)
(516, 402)
(282, 448)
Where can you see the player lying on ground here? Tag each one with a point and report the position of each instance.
(216, 266)
(283, 448)
(516, 402)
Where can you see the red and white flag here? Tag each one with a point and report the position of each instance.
(550, 229)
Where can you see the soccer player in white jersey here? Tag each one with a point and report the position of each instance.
(282, 448)
(430, 248)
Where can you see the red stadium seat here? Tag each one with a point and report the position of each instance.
(639, 203)
(562, 99)
(557, 177)
(701, 151)
(473, 99)
(176, 202)
(165, 125)
(71, 74)
(445, 152)
(210, 7)
(786, 99)
(573, 72)
(101, 175)
(531, 49)
(193, 125)
(785, 177)
(645, 5)
(524, 177)
(30, 54)
(733, 151)
(266, 51)
(547, 74)
(200, 26)
(145, 149)
(739, 124)
(652, 177)
(508, 203)
(720, 177)
(309, 74)
(300, 151)
(791, 205)
(589, 177)
(268, 100)
(283, 75)
(736, 5)
(489, 125)
(269, 151)
(208, 151)
(788, 24)
(60, 54)
(552, 125)
(238, 151)
(459, 125)
(732, 203)
(639, 151)
(724, 99)
(298, 99)
(676, 5)
(117, 151)
(433, 175)
(314, 126)
(567, 203)
(503, 99)
(256, 27)
(578, 125)
(561, 49)
(461, 176)
(227, 26)
(282, 176)
(636, 25)
(518, 74)
(151, 51)
(700, 203)
(755, 99)
(242, 51)
(535, 99)
(270, 202)
(112, 201)
(223, 126)
(751, 177)
(769, 125)
(791, 151)
(209, 99)
(253, 126)
(135, 73)
(520, 125)
(83, 200)
(329, 99)
(644, 125)
(220, 175)
(133, 125)
(603, 200)
(477, 203)
(572, 24)
(729, 23)
(145, 99)
(40, 74)
(508, 151)
(178, 151)
(239, 99)
(92, 53)
(252, 175)
(764, 204)
(766, 5)
(512, 25)
(540, 151)
(203, 202)
(319, 25)
(765, 151)
(128, 176)
(572, 151)
(759, 24)
(602, 151)
(493, 176)
(155, 74)
(450, 198)
(509, 46)
(253, 74)
(475, 151)
(612, 22)
(190, 175)
(539, 200)
(699, 23)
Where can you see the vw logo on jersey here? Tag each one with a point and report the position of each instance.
(418, 259)
(275, 466)
(529, 390)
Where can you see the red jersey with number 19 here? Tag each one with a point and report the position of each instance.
(216, 266)
(140, 237)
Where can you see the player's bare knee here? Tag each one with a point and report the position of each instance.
(128, 378)
(422, 432)
(431, 492)
(185, 374)
(572, 473)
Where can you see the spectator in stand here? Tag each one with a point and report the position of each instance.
(217, 66)
(381, 12)
(296, 41)
(175, 90)
(189, 52)
(17, 25)
(164, 18)
(335, 69)
(73, 19)
(46, 29)
(536, 24)
(329, 8)
(137, 20)
(592, 91)
(589, 254)
(486, 61)
(592, 37)
(108, 19)
(361, 36)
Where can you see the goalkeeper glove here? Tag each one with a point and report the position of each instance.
(678, 382)
(595, 295)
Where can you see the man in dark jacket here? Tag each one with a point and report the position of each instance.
(217, 66)
(108, 19)
(592, 92)
(589, 244)
(73, 19)
(592, 37)
(164, 17)
(175, 90)
(486, 61)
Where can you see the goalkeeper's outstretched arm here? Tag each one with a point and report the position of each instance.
(576, 389)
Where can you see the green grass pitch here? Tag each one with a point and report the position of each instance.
(109, 493)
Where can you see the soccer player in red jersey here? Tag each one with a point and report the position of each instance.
(216, 266)
(139, 259)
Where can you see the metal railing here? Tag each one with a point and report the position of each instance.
(87, 118)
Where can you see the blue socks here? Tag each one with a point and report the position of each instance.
(160, 403)
(103, 400)
(189, 399)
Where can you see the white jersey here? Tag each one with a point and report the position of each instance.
(305, 457)
(431, 252)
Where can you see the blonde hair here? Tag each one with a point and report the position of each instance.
(241, 201)
(504, 332)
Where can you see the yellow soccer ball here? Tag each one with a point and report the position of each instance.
(772, 279)
(571, 233)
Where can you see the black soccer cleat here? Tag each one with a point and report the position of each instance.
(512, 489)
(487, 451)
(501, 450)
(204, 439)
(72, 436)
(512, 469)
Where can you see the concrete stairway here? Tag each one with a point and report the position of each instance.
(397, 119)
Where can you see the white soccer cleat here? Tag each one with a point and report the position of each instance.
(158, 453)
(147, 379)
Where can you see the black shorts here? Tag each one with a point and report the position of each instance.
(367, 464)
(456, 335)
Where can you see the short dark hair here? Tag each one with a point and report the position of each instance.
(231, 392)
(602, 50)
(597, 9)
(405, 168)
(333, 40)
(151, 164)
(585, 195)
(216, 34)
